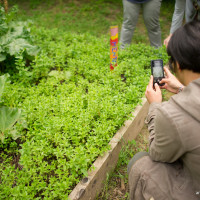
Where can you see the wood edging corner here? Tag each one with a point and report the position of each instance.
(90, 186)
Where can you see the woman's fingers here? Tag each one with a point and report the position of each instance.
(157, 88)
(167, 72)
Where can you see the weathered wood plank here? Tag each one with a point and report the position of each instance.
(90, 186)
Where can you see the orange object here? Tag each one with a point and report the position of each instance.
(113, 47)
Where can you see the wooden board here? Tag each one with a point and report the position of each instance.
(90, 186)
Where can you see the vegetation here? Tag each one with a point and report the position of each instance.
(15, 39)
(8, 116)
(71, 103)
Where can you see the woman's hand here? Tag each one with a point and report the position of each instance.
(153, 94)
(172, 84)
(166, 41)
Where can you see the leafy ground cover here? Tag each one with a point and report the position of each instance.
(71, 103)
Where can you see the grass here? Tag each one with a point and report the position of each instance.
(86, 16)
(73, 16)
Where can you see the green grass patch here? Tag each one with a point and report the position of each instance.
(89, 16)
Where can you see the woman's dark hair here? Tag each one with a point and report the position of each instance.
(184, 46)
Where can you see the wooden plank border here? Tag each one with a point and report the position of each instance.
(89, 187)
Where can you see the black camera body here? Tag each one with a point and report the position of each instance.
(157, 71)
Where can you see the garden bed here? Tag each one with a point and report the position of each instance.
(72, 105)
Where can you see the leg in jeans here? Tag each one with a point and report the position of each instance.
(151, 14)
(131, 13)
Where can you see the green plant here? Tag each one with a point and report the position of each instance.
(104, 192)
(71, 101)
(15, 38)
(73, 106)
(8, 116)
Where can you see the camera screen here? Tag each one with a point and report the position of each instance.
(157, 69)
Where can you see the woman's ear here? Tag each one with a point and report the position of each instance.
(178, 67)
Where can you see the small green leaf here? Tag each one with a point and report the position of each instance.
(2, 83)
(8, 117)
(16, 46)
(14, 134)
(21, 44)
(2, 57)
(2, 137)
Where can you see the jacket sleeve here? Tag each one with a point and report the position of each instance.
(165, 142)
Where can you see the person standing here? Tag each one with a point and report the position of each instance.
(191, 8)
(151, 13)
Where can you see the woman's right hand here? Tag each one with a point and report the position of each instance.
(166, 41)
(172, 84)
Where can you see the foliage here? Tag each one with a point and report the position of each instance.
(15, 38)
(8, 116)
(71, 101)
(94, 17)
(72, 16)
(73, 106)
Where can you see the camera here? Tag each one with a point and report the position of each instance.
(157, 71)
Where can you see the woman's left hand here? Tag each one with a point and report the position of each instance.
(153, 94)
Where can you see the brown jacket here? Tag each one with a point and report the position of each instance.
(172, 171)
